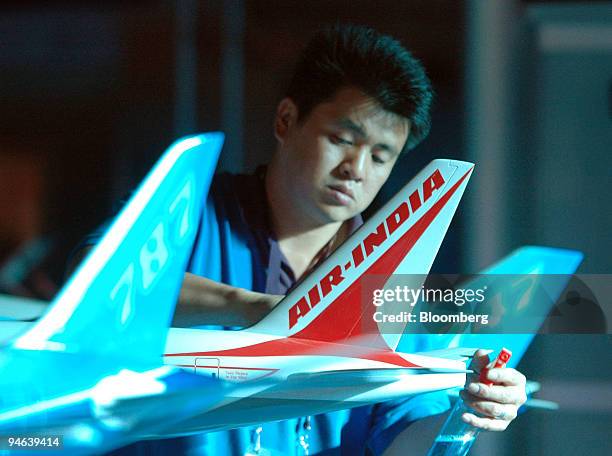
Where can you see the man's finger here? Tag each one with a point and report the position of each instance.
(490, 409)
(506, 376)
(498, 393)
(487, 424)
(480, 360)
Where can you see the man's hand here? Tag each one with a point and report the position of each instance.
(259, 304)
(205, 302)
(498, 403)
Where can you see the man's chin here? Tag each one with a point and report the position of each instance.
(334, 214)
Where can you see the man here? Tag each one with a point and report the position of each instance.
(356, 101)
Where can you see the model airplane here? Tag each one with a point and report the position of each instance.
(91, 368)
(89, 371)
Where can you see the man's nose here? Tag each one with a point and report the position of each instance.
(353, 165)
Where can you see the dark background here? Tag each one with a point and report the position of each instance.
(92, 92)
(89, 93)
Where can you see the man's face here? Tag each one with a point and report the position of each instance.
(340, 155)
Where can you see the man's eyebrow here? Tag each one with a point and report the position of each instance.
(350, 125)
(359, 131)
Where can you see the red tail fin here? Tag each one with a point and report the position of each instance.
(333, 303)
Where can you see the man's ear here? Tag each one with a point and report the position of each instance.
(286, 118)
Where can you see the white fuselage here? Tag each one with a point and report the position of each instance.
(304, 378)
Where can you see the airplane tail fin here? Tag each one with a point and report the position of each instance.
(542, 269)
(334, 303)
(531, 259)
(121, 298)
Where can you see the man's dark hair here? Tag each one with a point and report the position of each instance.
(377, 64)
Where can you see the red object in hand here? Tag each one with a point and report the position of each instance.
(502, 359)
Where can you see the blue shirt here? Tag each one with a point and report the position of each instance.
(235, 245)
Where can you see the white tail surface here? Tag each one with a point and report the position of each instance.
(403, 237)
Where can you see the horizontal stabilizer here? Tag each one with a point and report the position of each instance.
(362, 376)
(458, 353)
(369, 385)
(15, 308)
(144, 412)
